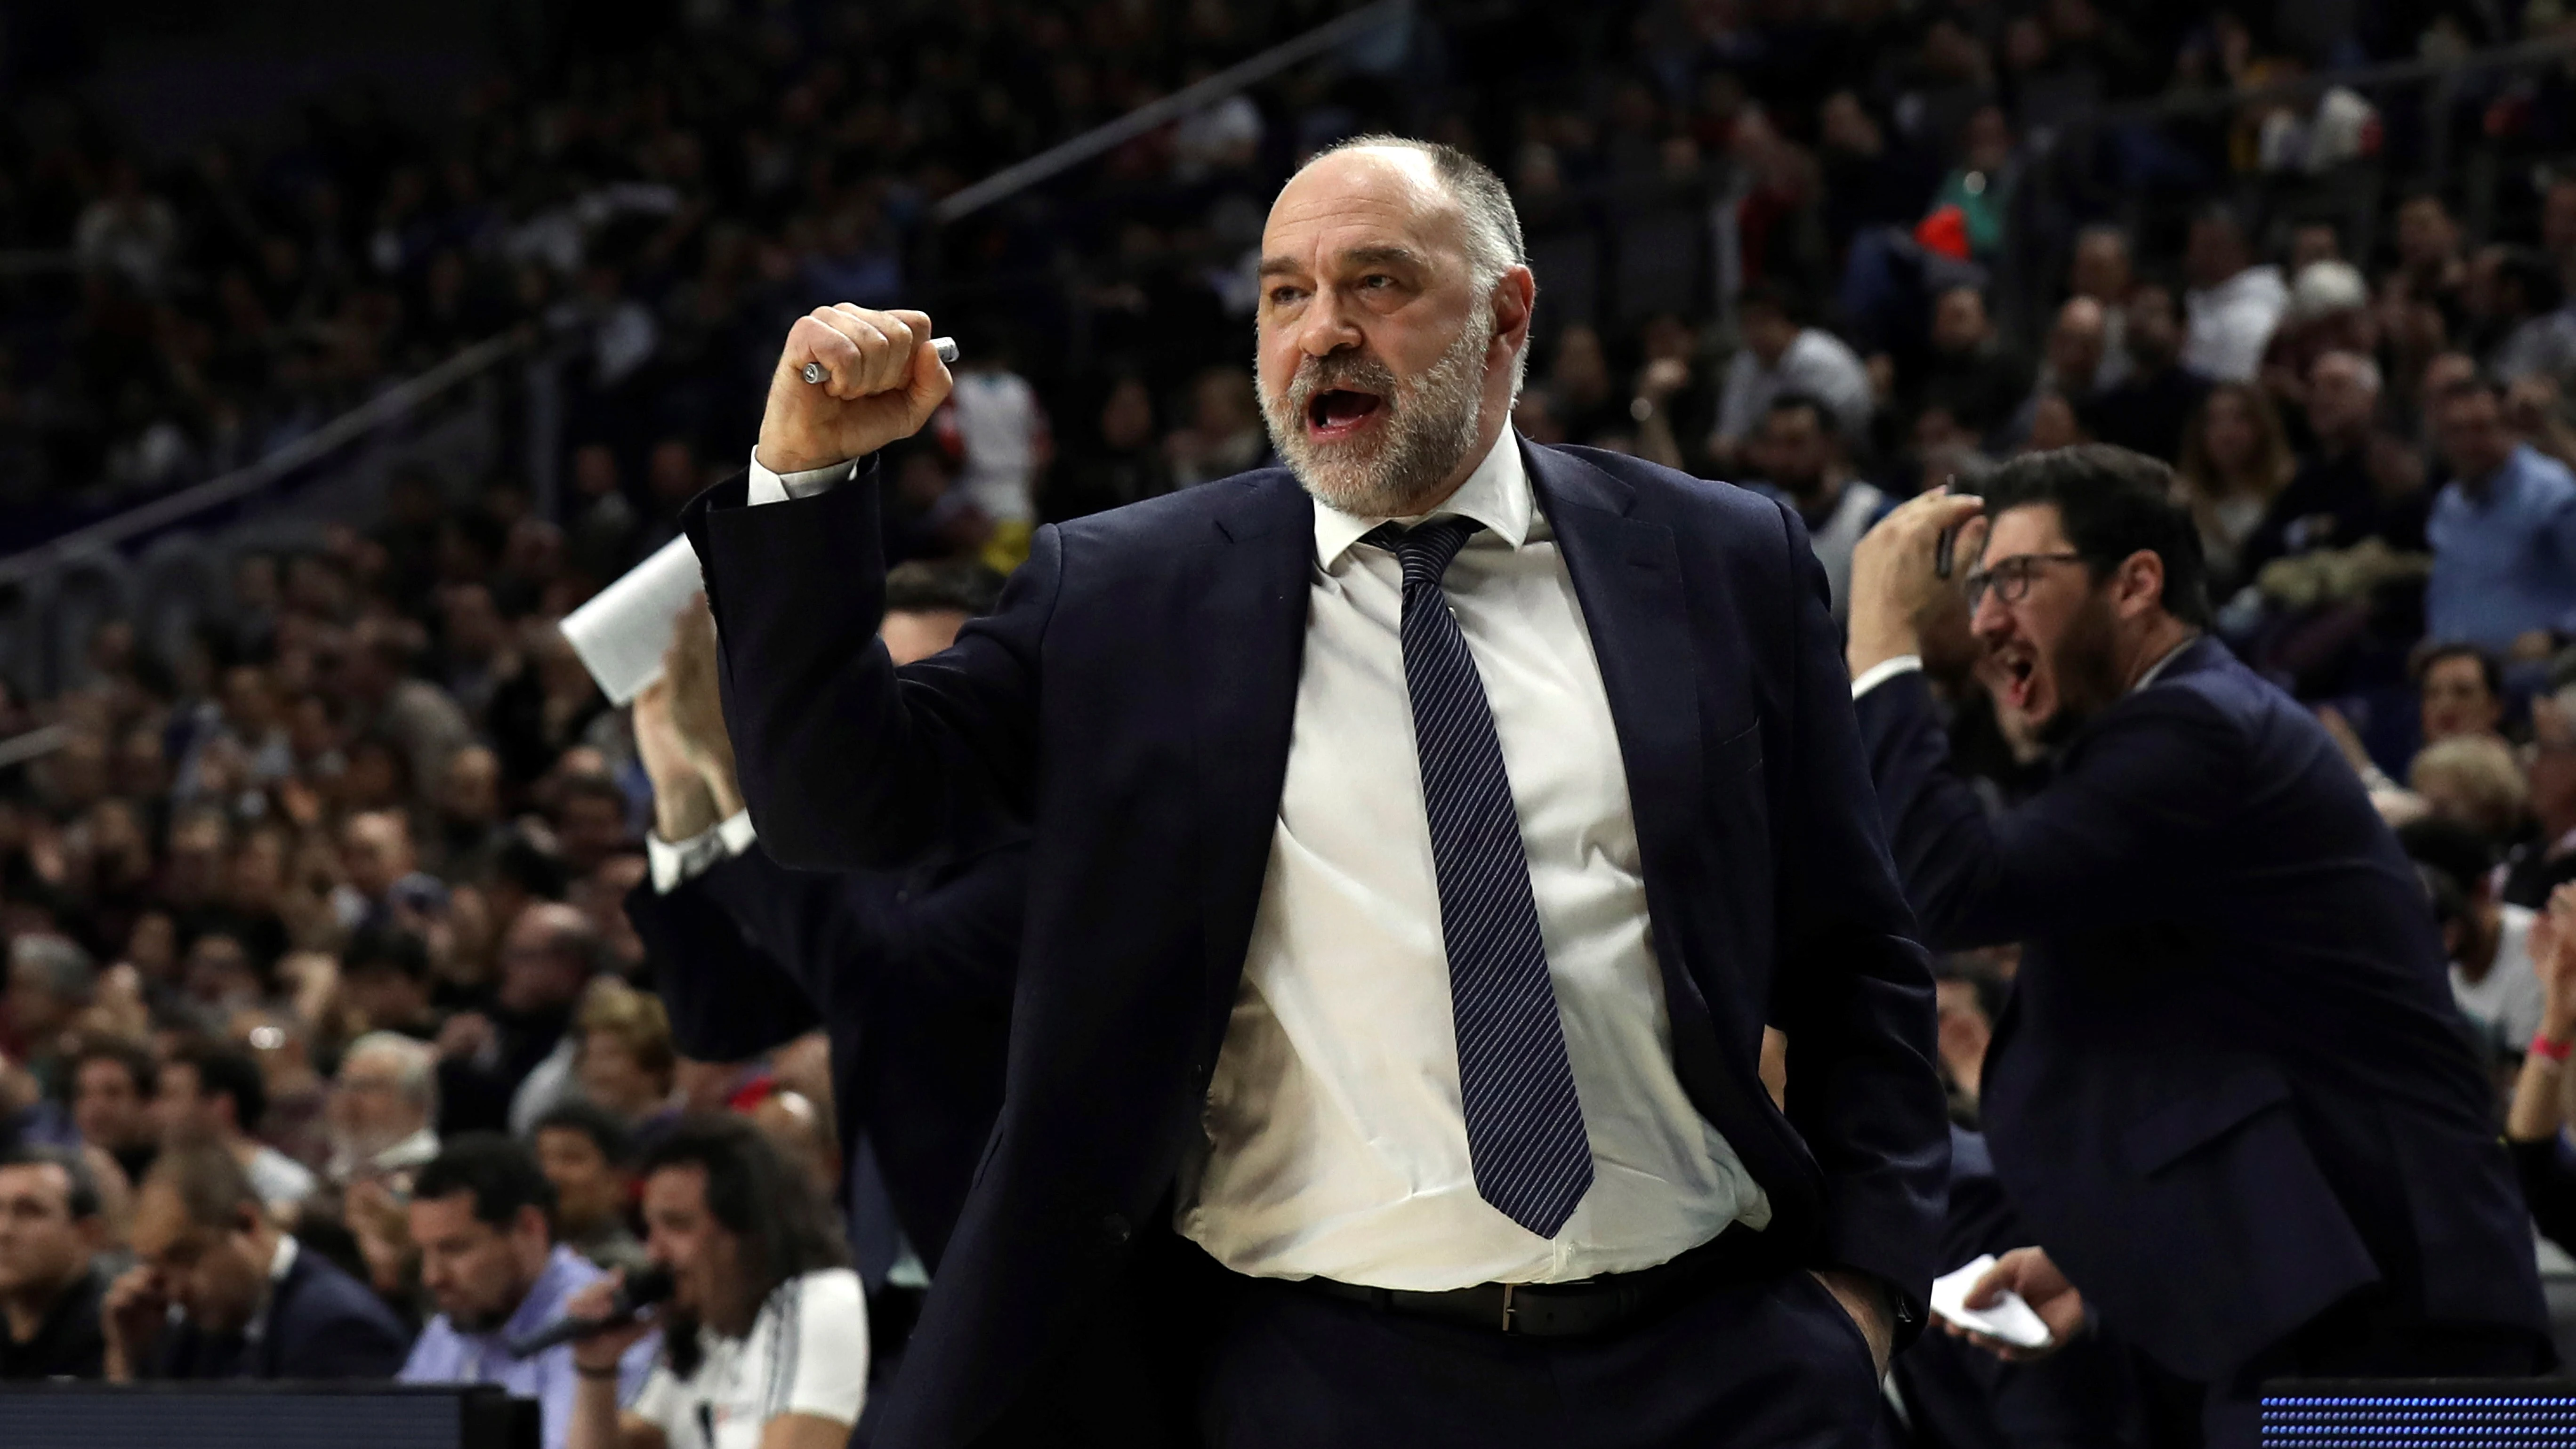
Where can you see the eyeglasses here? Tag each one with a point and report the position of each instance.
(2010, 579)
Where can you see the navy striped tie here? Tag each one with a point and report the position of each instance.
(1524, 1123)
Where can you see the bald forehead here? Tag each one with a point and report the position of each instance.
(1390, 193)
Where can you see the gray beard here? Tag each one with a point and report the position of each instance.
(1432, 422)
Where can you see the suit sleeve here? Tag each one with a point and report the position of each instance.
(1854, 990)
(354, 1345)
(959, 933)
(727, 1000)
(846, 761)
(2113, 841)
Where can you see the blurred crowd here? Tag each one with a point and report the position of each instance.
(343, 879)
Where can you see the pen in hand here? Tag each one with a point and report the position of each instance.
(946, 347)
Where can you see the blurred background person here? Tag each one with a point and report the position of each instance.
(384, 1103)
(482, 1215)
(214, 1093)
(588, 1155)
(766, 1330)
(220, 1291)
(51, 1285)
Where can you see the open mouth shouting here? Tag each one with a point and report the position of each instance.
(2017, 666)
(1337, 413)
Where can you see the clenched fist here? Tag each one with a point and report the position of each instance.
(886, 380)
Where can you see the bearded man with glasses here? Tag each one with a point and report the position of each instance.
(2229, 1095)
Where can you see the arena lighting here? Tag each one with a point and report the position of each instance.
(2419, 1414)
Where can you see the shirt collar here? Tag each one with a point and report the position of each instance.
(2161, 665)
(1496, 495)
(565, 1271)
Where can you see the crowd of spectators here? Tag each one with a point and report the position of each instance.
(295, 911)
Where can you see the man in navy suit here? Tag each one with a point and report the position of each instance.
(2230, 1098)
(253, 1302)
(1400, 937)
(909, 972)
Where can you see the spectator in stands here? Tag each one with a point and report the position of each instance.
(113, 1082)
(2459, 690)
(1800, 456)
(998, 432)
(2503, 532)
(1120, 464)
(2104, 273)
(220, 1291)
(383, 1103)
(489, 1072)
(483, 1217)
(2235, 462)
(2518, 324)
(765, 1328)
(585, 1152)
(2430, 267)
(50, 984)
(51, 1233)
(386, 889)
(2488, 942)
(625, 1061)
(276, 1039)
(1971, 372)
(2074, 369)
(2147, 412)
(373, 677)
(469, 827)
(385, 983)
(213, 1093)
(1783, 354)
(2473, 780)
(590, 820)
(2538, 866)
(1223, 436)
(2233, 304)
(2333, 500)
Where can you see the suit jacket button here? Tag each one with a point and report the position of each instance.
(1114, 1228)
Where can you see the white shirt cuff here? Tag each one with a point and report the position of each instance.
(769, 487)
(1885, 670)
(674, 862)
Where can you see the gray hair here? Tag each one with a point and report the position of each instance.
(415, 1065)
(61, 967)
(1494, 243)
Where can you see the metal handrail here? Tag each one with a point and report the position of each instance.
(1110, 135)
(348, 427)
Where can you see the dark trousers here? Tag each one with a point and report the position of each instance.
(1772, 1363)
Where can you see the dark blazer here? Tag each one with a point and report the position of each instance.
(1132, 700)
(322, 1324)
(2230, 1087)
(1959, 1396)
(910, 973)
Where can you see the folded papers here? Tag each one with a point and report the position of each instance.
(622, 633)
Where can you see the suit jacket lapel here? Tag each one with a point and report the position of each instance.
(1247, 643)
(1627, 574)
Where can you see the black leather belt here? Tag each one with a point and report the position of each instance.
(1572, 1310)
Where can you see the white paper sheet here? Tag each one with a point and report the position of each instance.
(2010, 1319)
(622, 633)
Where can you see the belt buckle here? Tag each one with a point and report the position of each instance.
(1507, 1308)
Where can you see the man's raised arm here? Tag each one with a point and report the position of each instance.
(845, 761)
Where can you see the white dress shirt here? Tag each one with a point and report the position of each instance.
(1335, 1144)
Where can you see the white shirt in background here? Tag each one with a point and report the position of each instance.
(1000, 431)
(807, 1353)
(2229, 325)
(2506, 1003)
